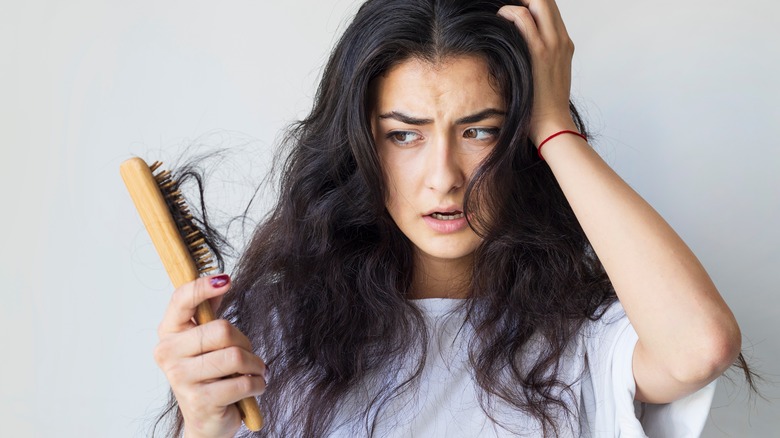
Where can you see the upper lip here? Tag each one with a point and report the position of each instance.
(451, 209)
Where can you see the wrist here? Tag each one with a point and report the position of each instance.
(554, 136)
(544, 130)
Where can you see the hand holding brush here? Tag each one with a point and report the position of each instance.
(210, 364)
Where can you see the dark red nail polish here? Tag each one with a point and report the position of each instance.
(219, 280)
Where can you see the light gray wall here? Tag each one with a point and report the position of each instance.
(682, 97)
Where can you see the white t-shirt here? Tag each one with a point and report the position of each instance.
(598, 368)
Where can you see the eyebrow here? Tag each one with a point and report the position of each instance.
(473, 118)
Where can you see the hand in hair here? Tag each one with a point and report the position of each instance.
(542, 27)
(687, 334)
(200, 362)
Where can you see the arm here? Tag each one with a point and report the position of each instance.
(687, 334)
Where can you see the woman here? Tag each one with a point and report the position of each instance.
(449, 257)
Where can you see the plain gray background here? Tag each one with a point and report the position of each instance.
(682, 97)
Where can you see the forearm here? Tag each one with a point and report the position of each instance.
(687, 334)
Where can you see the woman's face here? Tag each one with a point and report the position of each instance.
(433, 125)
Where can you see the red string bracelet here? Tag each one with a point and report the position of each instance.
(566, 131)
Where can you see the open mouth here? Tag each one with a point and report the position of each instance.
(449, 216)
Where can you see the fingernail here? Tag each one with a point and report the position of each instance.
(219, 280)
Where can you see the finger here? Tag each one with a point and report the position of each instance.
(225, 392)
(185, 299)
(548, 19)
(218, 365)
(212, 336)
(215, 303)
(522, 18)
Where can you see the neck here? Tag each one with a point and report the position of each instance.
(441, 278)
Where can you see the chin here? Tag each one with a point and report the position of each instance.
(447, 253)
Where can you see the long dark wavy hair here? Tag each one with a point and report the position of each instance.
(322, 289)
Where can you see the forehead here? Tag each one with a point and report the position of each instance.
(458, 83)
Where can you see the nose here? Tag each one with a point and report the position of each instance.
(445, 171)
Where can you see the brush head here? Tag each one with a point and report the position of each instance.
(190, 232)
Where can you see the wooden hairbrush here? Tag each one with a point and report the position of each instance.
(179, 243)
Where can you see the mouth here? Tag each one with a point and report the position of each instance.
(447, 216)
(446, 219)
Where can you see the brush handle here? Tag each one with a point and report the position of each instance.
(173, 251)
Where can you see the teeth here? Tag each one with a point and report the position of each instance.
(446, 217)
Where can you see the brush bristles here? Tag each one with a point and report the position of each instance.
(192, 236)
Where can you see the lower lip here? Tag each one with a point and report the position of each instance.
(446, 227)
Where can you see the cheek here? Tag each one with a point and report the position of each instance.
(394, 191)
(400, 195)
(392, 174)
(389, 181)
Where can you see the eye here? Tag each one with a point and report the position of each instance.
(403, 137)
(481, 134)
